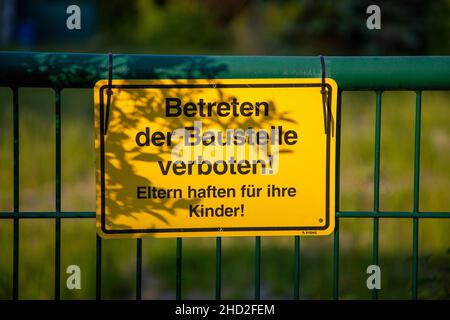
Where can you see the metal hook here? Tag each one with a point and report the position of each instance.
(109, 91)
(325, 100)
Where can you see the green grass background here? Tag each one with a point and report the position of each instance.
(37, 175)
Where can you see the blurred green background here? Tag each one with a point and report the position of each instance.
(230, 27)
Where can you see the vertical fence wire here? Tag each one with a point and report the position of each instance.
(57, 292)
(138, 269)
(337, 198)
(178, 268)
(257, 268)
(296, 267)
(336, 260)
(415, 247)
(376, 186)
(218, 267)
(98, 268)
(15, 91)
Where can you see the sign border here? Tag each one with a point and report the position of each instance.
(215, 229)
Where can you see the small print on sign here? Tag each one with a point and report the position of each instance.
(202, 158)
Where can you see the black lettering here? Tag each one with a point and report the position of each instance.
(223, 109)
(190, 109)
(193, 210)
(291, 134)
(158, 138)
(165, 170)
(141, 192)
(175, 106)
(258, 107)
(246, 109)
(179, 167)
(146, 135)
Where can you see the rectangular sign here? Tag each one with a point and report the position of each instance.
(201, 158)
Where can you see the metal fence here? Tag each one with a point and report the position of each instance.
(378, 74)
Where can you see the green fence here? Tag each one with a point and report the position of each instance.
(59, 71)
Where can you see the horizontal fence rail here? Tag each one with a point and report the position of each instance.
(377, 74)
(71, 70)
(339, 214)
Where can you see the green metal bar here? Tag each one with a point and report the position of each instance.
(415, 258)
(179, 268)
(138, 269)
(376, 186)
(98, 268)
(77, 70)
(297, 267)
(47, 214)
(218, 267)
(336, 260)
(15, 91)
(257, 268)
(392, 214)
(57, 292)
(337, 198)
(415, 253)
(339, 214)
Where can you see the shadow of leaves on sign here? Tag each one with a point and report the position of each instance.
(129, 106)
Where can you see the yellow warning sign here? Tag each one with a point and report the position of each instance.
(201, 158)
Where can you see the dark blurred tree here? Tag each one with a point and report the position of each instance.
(276, 27)
(226, 11)
(117, 18)
(339, 27)
(439, 28)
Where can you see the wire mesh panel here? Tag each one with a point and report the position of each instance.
(19, 70)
